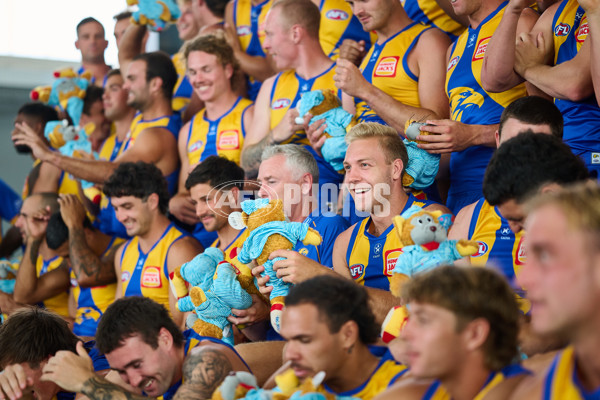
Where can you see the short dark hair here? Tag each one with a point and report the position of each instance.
(39, 111)
(159, 65)
(217, 7)
(338, 300)
(218, 172)
(131, 316)
(534, 110)
(122, 15)
(139, 180)
(31, 335)
(85, 21)
(57, 231)
(471, 293)
(113, 72)
(524, 163)
(93, 94)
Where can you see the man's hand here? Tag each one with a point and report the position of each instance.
(529, 52)
(261, 280)
(28, 137)
(183, 209)
(296, 268)
(352, 51)
(258, 311)
(69, 370)
(315, 133)
(287, 127)
(450, 136)
(71, 210)
(349, 79)
(13, 382)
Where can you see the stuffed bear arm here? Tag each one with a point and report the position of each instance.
(227, 288)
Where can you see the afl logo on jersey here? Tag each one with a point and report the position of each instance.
(125, 276)
(562, 29)
(453, 63)
(483, 248)
(280, 103)
(196, 146)
(336, 15)
(582, 31)
(244, 30)
(357, 271)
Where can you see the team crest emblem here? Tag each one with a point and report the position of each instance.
(303, 251)
(464, 99)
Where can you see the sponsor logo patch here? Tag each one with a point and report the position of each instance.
(229, 140)
(483, 248)
(520, 255)
(244, 30)
(280, 103)
(562, 29)
(481, 48)
(582, 31)
(337, 15)
(595, 158)
(390, 258)
(151, 277)
(357, 271)
(387, 67)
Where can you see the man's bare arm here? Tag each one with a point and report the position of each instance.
(203, 371)
(90, 269)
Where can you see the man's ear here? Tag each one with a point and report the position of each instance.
(77, 44)
(156, 84)
(476, 333)
(550, 188)
(306, 183)
(349, 335)
(296, 32)
(497, 138)
(165, 338)
(153, 201)
(398, 168)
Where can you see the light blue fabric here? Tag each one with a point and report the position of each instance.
(334, 151)
(445, 221)
(152, 10)
(200, 270)
(337, 119)
(411, 211)
(249, 206)
(422, 166)
(74, 105)
(309, 100)
(414, 259)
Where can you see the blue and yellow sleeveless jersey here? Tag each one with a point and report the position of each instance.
(498, 246)
(471, 104)
(111, 148)
(223, 136)
(249, 22)
(191, 340)
(437, 392)
(430, 13)
(561, 381)
(92, 301)
(581, 119)
(287, 89)
(233, 248)
(337, 24)
(329, 227)
(371, 259)
(386, 374)
(386, 67)
(59, 303)
(170, 122)
(182, 91)
(148, 274)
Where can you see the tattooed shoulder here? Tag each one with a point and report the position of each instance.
(203, 371)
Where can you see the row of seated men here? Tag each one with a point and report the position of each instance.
(462, 339)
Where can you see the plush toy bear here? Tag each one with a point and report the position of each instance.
(215, 291)
(156, 14)
(268, 231)
(426, 244)
(8, 274)
(422, 166)
(325, 105)
(242, 385)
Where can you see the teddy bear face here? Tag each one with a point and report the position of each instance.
(423, 227)
(272, 212)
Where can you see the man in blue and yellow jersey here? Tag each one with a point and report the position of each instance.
(329, 327)
(139, 195)
(462, 332)
(367, 251)
(474, 112)
(560, 277)
(36, 283)
(402, 75)
(498, 244)
(150, 354)
(220, 127)
(91, 256)
(153, 138)
(292, 39)
(29, 338)
(91, 42)
(555, 59)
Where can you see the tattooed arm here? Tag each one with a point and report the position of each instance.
(89, 269)
(203, 371)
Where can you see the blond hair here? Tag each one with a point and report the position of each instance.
(389, 140)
